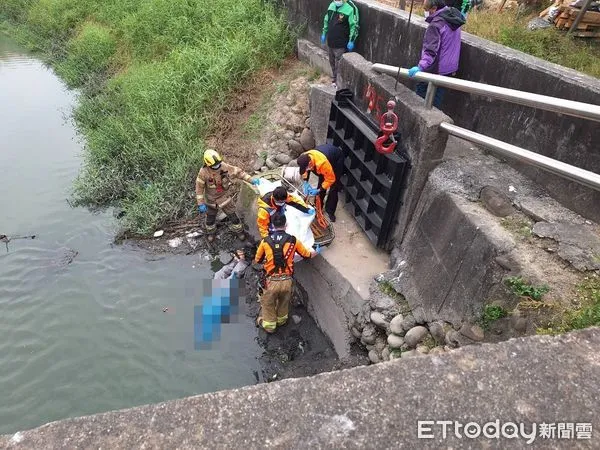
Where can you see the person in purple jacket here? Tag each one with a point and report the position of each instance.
(441, 45)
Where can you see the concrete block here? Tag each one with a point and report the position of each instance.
(324, 305)
(321, 97)
(314, 55)
(356, 408)
(450, 249)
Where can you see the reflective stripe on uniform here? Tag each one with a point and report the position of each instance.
(268, 325)
(281, 320)
(237, 227)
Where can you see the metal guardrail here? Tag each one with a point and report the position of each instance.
(558, 105)
(568, 107)
(585, 177)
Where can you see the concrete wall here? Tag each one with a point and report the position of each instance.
(524, 381)
(383, 39)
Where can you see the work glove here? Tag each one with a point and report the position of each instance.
(350, 46)
(255, 181)
(413, 71)
(305, 188)
(202, 208)
(318, 249)
(313, 191)
(311, 211)
(322, 39)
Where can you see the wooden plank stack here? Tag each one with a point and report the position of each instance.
(588, 27)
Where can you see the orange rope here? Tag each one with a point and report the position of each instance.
(319, 210)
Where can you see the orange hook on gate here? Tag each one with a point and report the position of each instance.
(389, 125)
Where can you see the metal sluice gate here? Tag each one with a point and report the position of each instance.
(373, 182)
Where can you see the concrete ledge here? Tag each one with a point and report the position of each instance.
(313, 55)
(529, 380)
(337, 283)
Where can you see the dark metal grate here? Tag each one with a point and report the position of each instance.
(373, 182)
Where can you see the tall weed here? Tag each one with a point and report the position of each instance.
(167, 67)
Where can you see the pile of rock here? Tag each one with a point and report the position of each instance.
(387, 335)
(289, 133)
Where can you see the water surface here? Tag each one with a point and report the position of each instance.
(89, 336)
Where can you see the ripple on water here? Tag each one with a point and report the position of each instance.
(90, 335)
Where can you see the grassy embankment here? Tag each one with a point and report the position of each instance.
(507, 28)
(153, 74)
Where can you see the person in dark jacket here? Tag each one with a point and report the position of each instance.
(327, 162)
(441, 45)
(340, 29)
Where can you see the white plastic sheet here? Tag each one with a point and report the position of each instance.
(298, 223)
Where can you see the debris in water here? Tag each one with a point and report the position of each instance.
(159, 233)
(176, 242)
(165, 309)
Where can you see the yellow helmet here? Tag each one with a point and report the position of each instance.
(211, 157)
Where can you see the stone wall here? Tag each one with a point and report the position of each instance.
(384, 39)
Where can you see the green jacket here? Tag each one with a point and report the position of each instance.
(349, 10)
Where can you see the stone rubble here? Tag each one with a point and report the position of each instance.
(289, 132)
(388, 330)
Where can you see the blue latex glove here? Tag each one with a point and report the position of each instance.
(322, 39)
(311, 211)
(318, 249)
(314, 191)
(202, 208)
(350, 46)
(413, 71)
(305, 188)
(254, 181)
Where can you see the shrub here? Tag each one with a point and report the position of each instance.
(88, 53)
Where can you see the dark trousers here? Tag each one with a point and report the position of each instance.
(335, 54)
(421, 90)
(335, 156)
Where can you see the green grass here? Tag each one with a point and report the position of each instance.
(490, 314)
(521, 288)
(518, 225)
(388, 289)
(153, 75)
(587, 314)
(508, 29)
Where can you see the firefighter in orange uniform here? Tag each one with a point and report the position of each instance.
(327, 161)
(213, 192)
(274, 203)
(278, 250)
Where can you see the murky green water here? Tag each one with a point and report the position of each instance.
(89, 336)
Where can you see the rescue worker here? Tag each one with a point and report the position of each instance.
(213, 192)
(327, 161)
(278, 250)
(273, 203)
